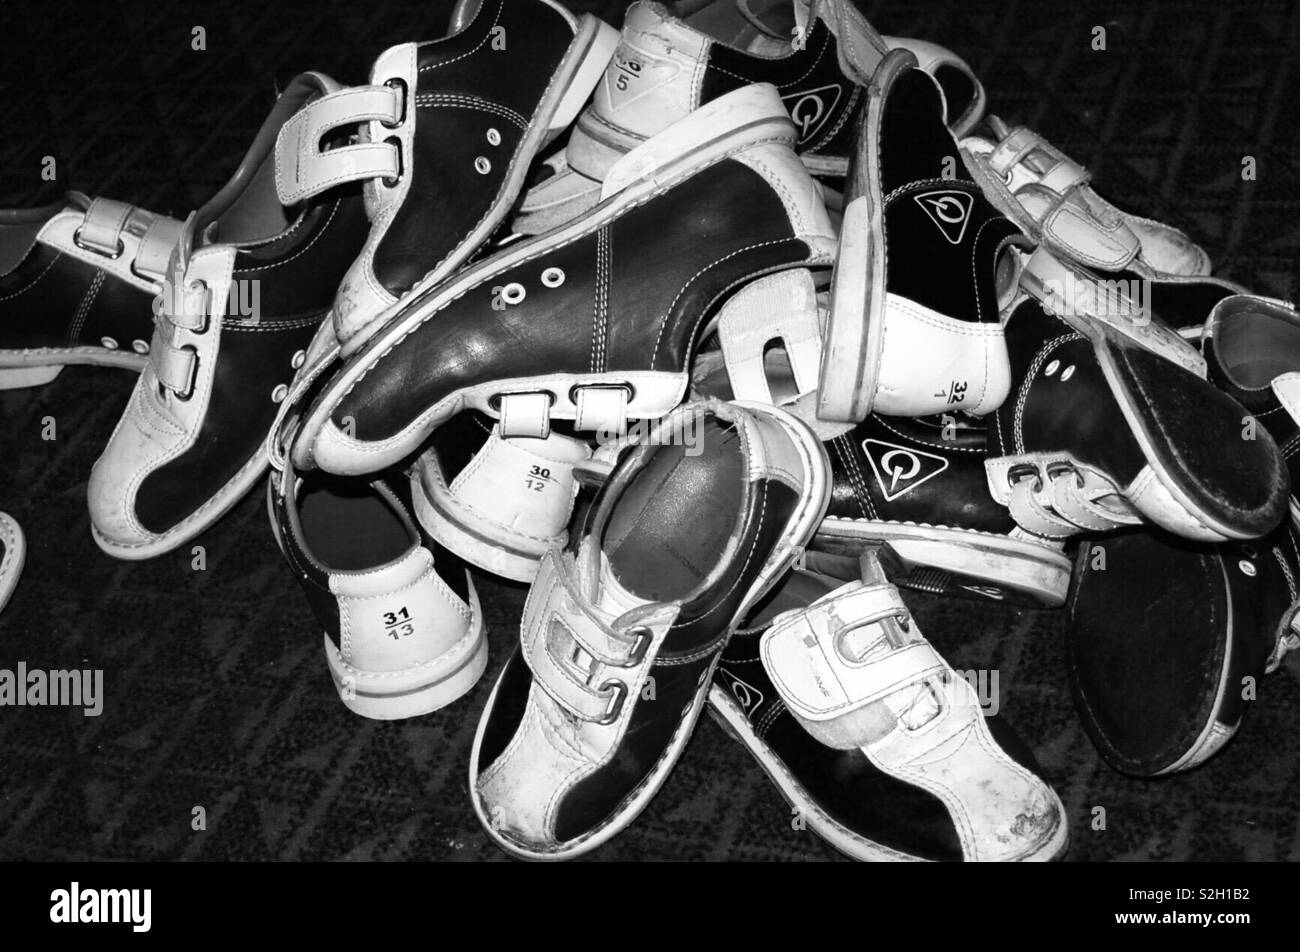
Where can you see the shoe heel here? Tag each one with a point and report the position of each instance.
(411, 702)
(589, 55)
(16, 378)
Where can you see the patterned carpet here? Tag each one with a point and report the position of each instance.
(217, 694)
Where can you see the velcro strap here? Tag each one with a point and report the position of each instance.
(1076, 230)
(101, 229)
(601, 409)
(804, 654)
(175, 368)
(781, 306)
(557, 619)
(526, 415)
(156, 245)
(189, 306)
(303, 170)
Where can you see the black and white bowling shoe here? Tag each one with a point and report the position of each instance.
(13, 554)
(623, 628)
(500, 504)
(78, 285)
(1168, 642)
(926, 263)
(865, 730)
(449, 130)
(403, 631)
(251, 281)
(1100, 433)
(818, 56)
(597, 321)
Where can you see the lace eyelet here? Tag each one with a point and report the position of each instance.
(616, 691)
(553, 277)
(398, 86)
(108, 343)
(396, 180)
(298, 360)
(279, 393)
(117, 253)
(1017, 474)
(493, 137)
(514, 293)
(140, 347)
(644, 638)
(482, 165)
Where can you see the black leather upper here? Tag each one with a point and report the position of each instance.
(821, 99)
(634, 294)
(939, 465)
(490, 77)
(53, 300)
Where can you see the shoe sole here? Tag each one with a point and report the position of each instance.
(418, 310)
(854, 342)
(32, 368)
(11, 569)
(958, 561)
(800, 528)
(395, 696)
(573, 82)
(1161, 458)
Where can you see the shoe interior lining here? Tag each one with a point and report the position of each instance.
(256, 215)
(1255, 347)
(346, 526)
(725, 22)
(668, 531)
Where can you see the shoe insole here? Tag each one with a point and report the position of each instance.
(348, 527)
(670, 527)
(1255, 348)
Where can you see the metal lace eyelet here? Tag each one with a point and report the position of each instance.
(399, 86)
(140, 347)
(553, 277)
(279, 393)
(121, 247)
(299, 358)
(493, 137)
(482, 165)
(395, 180)
(1017, 474)
(194, 373)
(644, 638)
(494, 401)
(616, 691)
(109, 343)
(1247, 568)
(1051, 368)
(625, 387)
(514, 293)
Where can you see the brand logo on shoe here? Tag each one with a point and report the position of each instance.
(812, 109)
(747, 696)
(950, 210)
(899, 469)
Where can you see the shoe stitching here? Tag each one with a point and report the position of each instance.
(84, 308)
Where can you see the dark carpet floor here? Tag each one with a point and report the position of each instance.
(217, 693)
